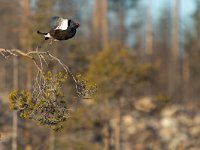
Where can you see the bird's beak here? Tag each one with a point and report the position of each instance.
(77, 24)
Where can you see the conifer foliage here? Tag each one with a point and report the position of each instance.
(46, 103)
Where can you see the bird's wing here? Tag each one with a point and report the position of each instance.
(59, 23)
(55, 22)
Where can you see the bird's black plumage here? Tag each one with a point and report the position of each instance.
(63, 34)
(61, 29)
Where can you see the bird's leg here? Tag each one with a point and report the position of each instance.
(51, 42)
(38, 47)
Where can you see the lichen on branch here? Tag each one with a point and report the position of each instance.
(46, 103)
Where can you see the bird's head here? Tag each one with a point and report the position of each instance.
(74, 24)
(77, 24)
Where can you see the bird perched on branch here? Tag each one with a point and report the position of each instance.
(61, 29)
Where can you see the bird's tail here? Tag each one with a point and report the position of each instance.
(41, 32)
(46, 35)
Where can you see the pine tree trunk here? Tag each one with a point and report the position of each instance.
(3, 76)
(25, 43)
(118, 135)
(100, 23)
(174, 71)
(186, 78)
(52, 133)
(96, 23)
(14, 136)
(25, 40)
(104, 24)
(118, 131)
(52, 140)
(105, 138)
(15, 86)
(149, 31)
(121, 27)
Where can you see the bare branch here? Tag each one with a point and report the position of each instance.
(45, 103)
(41, 56)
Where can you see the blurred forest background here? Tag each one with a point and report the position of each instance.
(144, 61)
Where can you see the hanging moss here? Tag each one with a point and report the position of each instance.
(45, 104)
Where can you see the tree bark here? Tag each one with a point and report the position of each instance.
(25, 42)
(104, 19)
(121, 27)
(149, 31)
(186, 77)
(174, 71)
(15, 120)
(100, 23)
(118, 135)
(52, 140)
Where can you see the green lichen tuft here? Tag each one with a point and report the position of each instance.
(45, 104)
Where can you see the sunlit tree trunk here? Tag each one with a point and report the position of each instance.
(186, 77)
(121, 28)
(105, 138)
(52, 133)
(14, 132)
(111, 141)
(149, 30)
(174, 71)
(3, 76)
(25, 39)
(25, 43)
(118, 130)
(104, 24)
(52, 140)
(100, 23)
(14, 123)
(96, 22)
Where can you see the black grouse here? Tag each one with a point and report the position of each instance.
(61, 29)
